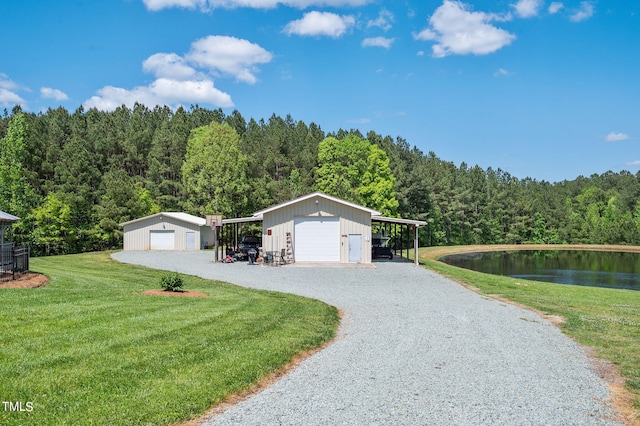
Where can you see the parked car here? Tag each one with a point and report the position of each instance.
(380, 247)
(249, 242)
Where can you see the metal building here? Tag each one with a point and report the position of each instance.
(167, 231)
(318, 228)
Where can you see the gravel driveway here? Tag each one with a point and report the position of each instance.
(414, 348)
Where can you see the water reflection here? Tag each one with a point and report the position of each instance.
(577, 267)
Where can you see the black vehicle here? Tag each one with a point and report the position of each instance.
(380, 247)
(249, 242)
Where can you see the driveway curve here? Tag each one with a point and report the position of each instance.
(414, 348)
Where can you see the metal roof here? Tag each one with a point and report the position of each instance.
(183, 217)
(319, 195)
(8, 217)
(241, 220)
(399, 220)
(375, 215)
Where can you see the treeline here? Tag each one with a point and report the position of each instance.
(73, 177)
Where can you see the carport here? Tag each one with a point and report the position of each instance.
(405, 229)
(232, 229)
(320, 228)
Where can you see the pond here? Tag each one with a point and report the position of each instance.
(576, 267)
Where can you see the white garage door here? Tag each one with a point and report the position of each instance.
(317, 239)
(162, 240)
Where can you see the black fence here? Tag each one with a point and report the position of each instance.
(14, 261)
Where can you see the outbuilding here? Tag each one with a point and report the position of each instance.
(167, 231)
(318, 228)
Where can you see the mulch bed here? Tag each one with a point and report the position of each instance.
(28, 280)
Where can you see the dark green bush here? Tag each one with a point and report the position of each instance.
(171, 282)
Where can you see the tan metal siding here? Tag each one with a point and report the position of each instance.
(136, 235)
(358, 223)
(352, 221)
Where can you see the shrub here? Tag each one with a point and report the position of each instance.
(171, 282)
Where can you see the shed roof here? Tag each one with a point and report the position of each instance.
(241, 220)
(318, 195)
(399, 220)
(183, 217)
(8, 217)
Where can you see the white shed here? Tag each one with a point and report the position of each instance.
(167, 231)
(318, 228)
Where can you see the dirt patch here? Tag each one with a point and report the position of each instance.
(174, 293)
(621, 398)
(28, 280)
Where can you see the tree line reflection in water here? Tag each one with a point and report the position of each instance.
(576, 267)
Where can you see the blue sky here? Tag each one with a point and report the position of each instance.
(541, 89)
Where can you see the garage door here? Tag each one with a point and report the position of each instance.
(162, 240)
(317, 239)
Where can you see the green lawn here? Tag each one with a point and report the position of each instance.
(607, 320)
(88, 348)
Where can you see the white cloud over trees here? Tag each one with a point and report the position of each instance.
(49, 93)
(9, 92)
(188, 78)
(230, 56)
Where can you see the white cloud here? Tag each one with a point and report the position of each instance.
(207, 5)
(320, 24)
(49, 93)
(163, 4)
(420, 53)
(633, 163)
(185, 79)
(362, 120)
(459, 31)
(383, 21)
(616, 137)
(527, 8)
(585, 12)
(8, 92)
(162, 91)
(555, 7)
(229, 55)
(501, 73)
(6, 82)
(9, 98)
(378, 42)
(168, 65)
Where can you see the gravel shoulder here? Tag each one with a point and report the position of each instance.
(413, 348)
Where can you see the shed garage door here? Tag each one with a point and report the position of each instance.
(162, 240)
(317, 239)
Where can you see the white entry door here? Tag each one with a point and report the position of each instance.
(355, 247)
(316, 239)
(191, 240)
(162, 240)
